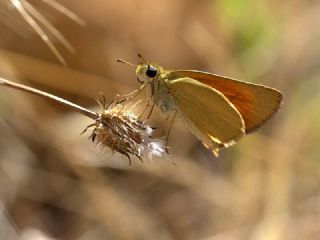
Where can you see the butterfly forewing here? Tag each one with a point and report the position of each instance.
(211, 115)
(256, 103)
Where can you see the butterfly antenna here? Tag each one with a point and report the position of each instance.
(125, 62)
(143, 60)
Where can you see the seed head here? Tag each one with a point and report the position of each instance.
(119, 129)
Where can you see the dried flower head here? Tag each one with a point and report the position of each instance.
(119, 128)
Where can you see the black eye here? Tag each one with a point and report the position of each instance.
(151, 72)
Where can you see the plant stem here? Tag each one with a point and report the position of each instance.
(70, 105)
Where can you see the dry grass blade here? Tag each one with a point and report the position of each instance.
(36, 15)
(35, 19)
(59, 7)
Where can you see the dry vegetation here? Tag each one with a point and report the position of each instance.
(57, 184)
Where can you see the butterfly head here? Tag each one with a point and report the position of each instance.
(147, 72)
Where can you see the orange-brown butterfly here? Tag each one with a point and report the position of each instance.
(218, 110)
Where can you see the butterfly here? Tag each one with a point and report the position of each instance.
(218, 110)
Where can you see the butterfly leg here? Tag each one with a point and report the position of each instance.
(144, 110)
(170, 120)
(155, 100)
(150, 111)
(131, 95)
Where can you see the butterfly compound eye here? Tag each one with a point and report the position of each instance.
(151, 71)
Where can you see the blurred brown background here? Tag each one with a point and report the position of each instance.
(55, 184)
